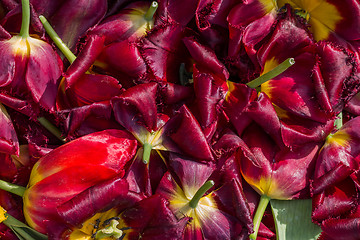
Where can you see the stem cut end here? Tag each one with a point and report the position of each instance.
(151, 11)
(147, 147)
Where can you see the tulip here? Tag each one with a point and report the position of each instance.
(121, 55)
(274, 171)
(32, 68)
(80, 164)
(214, 214)
(149, 218)
(80, 86)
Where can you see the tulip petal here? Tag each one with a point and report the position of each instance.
(105, 195)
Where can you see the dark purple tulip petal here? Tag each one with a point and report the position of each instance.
(9, 143)
(338, 155)
(335, 201)
(174, 93)
(337, 68)
(206, 59)
(44, 69)
(90, 118)
(208, 96)
(164, 51)
(151, 218)
(235, 205)
(340, 229)
(284, 127)
(174, 9)
(122, 58)
(75, 17)
(139, 101)
(86, 58)
(278, 172)
(26, 107)
(353, 105)
(128, 24)
(236, 101)
(213, 13)
(185, 132)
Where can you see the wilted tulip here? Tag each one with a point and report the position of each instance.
(32, 68)
(214, 215)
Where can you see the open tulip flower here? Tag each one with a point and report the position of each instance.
(212, 216)
(136, 110)
(149, 218)
(252, 20)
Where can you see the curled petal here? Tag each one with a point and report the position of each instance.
(103, 196)
(185, 132)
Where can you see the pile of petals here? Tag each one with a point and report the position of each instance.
(141, 120)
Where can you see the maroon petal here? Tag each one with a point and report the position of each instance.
(122, 58)
(9, 143)
(338, 69)
(185, 132)
(340, 229)
(151, 218)
(206, 58)
(163, 51)
(175, 10)
(139, 101)
(335, 201)
(90, 118)
(79, 17)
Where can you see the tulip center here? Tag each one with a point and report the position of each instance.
(109, 231)
(302, 13)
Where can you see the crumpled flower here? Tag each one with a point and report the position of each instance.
(214, 215)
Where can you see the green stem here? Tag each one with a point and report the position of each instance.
(147, 147)
(22, 230)
(271, 74)
(12, 188)
(57, 40)
(339, 121)
(264, 201)
(151, 11)
(198, 195)
(25, 21)
(51, 128)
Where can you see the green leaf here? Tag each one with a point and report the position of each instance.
(23, 231)
(293, 220)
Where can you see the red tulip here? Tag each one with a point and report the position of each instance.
(80, 164)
